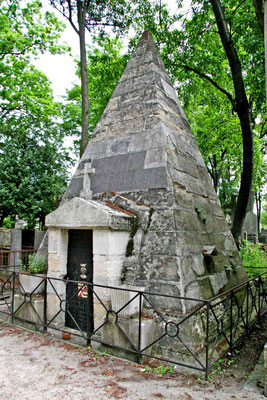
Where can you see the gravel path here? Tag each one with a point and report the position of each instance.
(38, 367)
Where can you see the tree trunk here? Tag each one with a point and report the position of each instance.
(258, 5)
(243, 112)
(84, 78)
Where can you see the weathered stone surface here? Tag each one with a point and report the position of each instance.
(162, 268)
(145, 160)
(74, 188)
(16, 245)
(5, 237)
(79, 213)
(218, 281)
(126, 332)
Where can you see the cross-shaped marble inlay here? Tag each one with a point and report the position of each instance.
(86, 192)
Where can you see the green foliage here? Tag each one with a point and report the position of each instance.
(25, 31)
(201, 213)
(217, 369)
(105, 66)
(159, 370)
(36, 265)
(253, 256)
(194, 56)
(8, 223)
(33, 162)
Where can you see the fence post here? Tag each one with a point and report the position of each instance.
(13, 296)
(231, 321)
(139, 327)
(207, 341)
(88, 324)
(247, 304)
(45, 305)
(259, 298)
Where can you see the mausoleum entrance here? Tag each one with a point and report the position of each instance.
(79, 268)
(95, 235)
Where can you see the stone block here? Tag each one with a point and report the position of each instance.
(55, 311)
(158, 267)
(186, 269)
(117, 243)
(127, 337)
(161, 302)
(5, 237)
(200, 289)
(55, 286)
(183, 199)
(30, 310)
(32, 284)
(101, 294)
(53, 262)
(198, 265)
(16, 245)
(188, 221)
(155, 157)
(53, 240)
(100, 312)
(191, 331)
(162, 220)
(119, 298)
(38, 237)
(160, 243)
(218, 281)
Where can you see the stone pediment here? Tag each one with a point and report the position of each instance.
(80, 213)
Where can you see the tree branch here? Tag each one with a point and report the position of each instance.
(227, 94)
(70, 18)
(239, 5)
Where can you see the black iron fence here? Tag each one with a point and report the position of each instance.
(134, 323)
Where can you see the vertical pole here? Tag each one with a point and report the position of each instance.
(139, 328)
(207, 341)
(88, 333)
(13, 297)
(231, 321)
(247, 289)
(45, 305)
(259, 298)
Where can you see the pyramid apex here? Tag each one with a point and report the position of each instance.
(147, 35)
(147, 40)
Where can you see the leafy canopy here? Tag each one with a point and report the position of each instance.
(33, 163)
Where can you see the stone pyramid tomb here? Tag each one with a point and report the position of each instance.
(143, 190)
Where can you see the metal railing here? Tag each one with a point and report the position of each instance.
(138, 323)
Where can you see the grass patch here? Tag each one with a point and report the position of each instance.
(254, 259)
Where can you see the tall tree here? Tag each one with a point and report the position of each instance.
(105, 65)
(91, 16)
(221, 43)
(33, 164)
(242, 108)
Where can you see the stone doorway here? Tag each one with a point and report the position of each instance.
(79, 301)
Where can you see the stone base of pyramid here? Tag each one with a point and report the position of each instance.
(176, 338)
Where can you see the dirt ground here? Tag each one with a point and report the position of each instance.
(39, 367)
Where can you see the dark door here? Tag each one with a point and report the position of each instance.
(79, 308)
